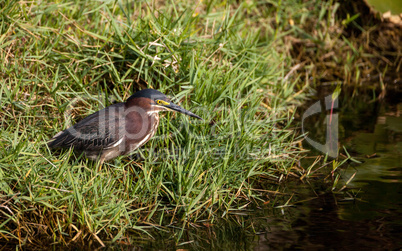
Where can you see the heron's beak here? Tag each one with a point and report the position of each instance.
(177, 108)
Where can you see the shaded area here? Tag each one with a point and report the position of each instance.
(370, 213)
(352, 46)
(319, 226)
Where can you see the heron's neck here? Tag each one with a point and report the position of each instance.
(155, 117)
(153, 113)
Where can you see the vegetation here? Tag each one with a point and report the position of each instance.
(228, 63)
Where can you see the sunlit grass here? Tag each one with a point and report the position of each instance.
(63, 61)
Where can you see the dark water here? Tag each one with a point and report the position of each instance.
(368, 214)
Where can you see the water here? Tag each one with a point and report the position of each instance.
(369, 214)
(379, 178)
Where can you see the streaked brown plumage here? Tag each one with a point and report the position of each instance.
(118, 129)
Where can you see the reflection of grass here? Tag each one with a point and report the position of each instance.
(59, 59)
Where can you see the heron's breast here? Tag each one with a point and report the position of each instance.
(140, 130)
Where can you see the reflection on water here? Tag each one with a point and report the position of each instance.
(370, 214)
(374, 219)
(380, 176)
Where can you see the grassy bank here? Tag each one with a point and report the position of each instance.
(63, 61)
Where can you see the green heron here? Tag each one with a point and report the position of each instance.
(118, 129)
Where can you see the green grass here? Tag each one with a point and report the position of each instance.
(63, 61)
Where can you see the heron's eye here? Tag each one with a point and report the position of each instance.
(161, 102)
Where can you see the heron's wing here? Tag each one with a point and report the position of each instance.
(100, 130)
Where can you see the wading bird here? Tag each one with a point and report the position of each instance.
(118, 129)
